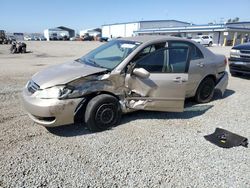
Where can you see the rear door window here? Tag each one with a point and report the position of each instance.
(195, 52)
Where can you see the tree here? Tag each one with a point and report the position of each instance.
(236, 19)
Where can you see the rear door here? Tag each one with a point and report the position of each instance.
(197, 67)
(165, 88)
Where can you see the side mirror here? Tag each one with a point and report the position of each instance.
(141, 72)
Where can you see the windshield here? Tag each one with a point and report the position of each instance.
(110, 54)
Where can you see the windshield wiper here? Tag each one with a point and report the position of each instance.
(96, 64)
(79, 60)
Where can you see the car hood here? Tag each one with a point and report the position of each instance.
(245, 46)
(64, 73)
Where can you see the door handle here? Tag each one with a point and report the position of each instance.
(200, 64)
(179, 80)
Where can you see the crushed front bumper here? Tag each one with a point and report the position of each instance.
(50, 112)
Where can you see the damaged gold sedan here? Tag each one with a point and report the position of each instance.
(139, 73)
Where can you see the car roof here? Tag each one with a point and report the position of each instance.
(148, 38)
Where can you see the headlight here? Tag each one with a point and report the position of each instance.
(235, 53)
(59, 92)
(49, 93)
(74, 89)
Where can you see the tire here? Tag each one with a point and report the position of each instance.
(102, 112)
(210, 44)
(205, 91)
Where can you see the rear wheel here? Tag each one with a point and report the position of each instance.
(205, 91)
(102, 112)
(210, 44)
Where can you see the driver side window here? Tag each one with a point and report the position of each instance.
(152, 62)
(148, 50)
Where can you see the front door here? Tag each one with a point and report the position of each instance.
(165, 88)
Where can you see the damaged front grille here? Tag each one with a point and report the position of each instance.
(32, 87)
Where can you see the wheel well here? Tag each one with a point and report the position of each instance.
(211, 76)
(81, 108)
(208, 76)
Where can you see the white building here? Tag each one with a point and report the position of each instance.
(58, 33)
(223, 34)
(128, 29)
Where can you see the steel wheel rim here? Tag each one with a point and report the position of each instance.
(105, 114)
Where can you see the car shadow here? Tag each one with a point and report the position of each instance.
(69, 130)
(228, 93)
(192, 109)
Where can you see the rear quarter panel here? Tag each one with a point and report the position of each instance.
(214, 64)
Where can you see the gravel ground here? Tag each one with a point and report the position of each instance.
(148, 149)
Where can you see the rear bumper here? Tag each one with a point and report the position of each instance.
(222, 83)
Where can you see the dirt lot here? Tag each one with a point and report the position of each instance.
(148, 149)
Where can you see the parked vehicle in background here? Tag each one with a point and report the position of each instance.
(27, 38)
(42, 38)
(138, 73)
(10, 39)
(204, 39)
(36, 38)
(59, 35)
(63, 37)
(76, 38)
(18, 47)
(87, 37)
(103, 39)
(239, 61)
(90, 34)
(3, 38)
(6, 39)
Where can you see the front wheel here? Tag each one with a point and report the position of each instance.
(102, 112)
(210, 44)
(205, 91)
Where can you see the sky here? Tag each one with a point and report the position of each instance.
(37, 15)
